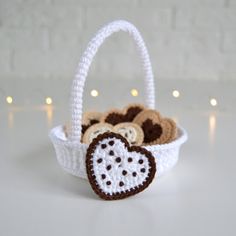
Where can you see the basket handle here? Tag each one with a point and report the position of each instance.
(86, 60)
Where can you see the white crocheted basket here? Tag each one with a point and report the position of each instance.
(70, 152)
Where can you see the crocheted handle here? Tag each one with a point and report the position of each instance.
(85, 62)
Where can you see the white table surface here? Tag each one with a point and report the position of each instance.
(196, 198)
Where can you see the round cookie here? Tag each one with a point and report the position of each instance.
(157, 130)
(116, 116)
(131, 131)
(94, 130)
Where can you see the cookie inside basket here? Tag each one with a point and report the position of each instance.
(139, 125)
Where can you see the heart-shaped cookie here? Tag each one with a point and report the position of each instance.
(157, 130)
(116, 116)
(131, 131)
(90, 118)
(117, 170)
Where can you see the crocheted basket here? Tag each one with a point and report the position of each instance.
(70, 152)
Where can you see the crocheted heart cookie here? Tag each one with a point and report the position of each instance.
(90, 118)
(117, 170)
(131, 131)
(157, 130)
(116, 116)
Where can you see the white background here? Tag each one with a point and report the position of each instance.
(196, 198)
(187, 39)
(193, 49)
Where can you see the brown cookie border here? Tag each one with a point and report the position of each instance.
(127, 193)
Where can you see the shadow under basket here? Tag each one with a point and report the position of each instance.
(71, 153)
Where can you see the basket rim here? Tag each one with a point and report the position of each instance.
(55, 135)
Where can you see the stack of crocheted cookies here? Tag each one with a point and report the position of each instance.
(136, 123)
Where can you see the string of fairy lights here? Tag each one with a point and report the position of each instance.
(10, 100)
(134, 92)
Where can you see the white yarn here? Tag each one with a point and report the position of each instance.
(114, 175)
(71, 156)
(71, 153)
(86, 60)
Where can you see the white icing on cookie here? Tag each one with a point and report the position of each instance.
(116, 169)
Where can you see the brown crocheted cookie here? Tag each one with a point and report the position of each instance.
(131, 131)
(90, 118)
(116, 116)
(116, 170)
(157, 130)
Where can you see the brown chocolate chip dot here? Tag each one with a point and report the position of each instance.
(124, 172)
(99, 160)
(103, 176)
(140, 161)
(121, 184)
(111, 143)
(111, 153)
(103, 146)
(118, 159)
(130, 159)
(108, 182)
(143, 170)
(108, 167)
(134, 174)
